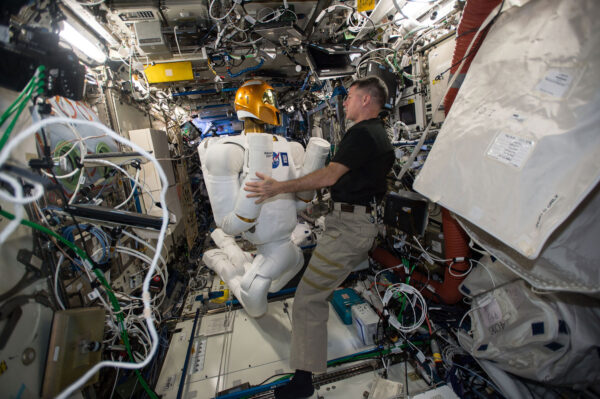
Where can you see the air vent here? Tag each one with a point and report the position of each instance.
(141, 15)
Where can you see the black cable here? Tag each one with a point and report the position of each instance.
(267, 379)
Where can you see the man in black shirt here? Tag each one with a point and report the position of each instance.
(357, 176)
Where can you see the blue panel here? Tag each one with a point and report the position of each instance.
(562, 327)
(537, 328)
(554, 346)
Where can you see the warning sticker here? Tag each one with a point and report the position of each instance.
(510, 149)
(555, 83)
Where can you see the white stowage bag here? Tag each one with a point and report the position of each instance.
(551, 338)
(520, 148)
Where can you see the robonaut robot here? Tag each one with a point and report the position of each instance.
(227, 164)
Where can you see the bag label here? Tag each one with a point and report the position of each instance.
(510, 150)
(555, 83)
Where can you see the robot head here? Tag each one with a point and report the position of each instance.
(256, 99)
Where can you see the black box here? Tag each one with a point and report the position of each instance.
(406, 211)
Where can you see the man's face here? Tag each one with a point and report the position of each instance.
(353, 103)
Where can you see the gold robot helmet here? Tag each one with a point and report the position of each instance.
(256, 99)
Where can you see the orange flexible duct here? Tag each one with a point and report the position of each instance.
(475, 12)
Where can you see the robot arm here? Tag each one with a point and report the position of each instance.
(317, 151)
(233, 212)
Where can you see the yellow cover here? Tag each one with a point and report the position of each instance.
(169, 72)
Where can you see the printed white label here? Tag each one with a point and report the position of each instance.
(510, 150)
(168, 72)
(555, 83)
(491, 313)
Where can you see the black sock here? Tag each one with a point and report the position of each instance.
(300, 386)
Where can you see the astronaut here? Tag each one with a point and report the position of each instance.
(227, 164)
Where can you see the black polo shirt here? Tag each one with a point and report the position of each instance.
(366, 150)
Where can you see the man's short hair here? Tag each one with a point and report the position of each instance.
(375, 87)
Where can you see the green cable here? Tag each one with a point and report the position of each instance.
(403, 300)
(36, 84)
(12, 107)
(10, 127)
(100, 275)
(27, 88)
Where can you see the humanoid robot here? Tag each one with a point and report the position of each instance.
(227, 164)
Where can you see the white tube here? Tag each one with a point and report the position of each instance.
(260, 159)
(317, 151)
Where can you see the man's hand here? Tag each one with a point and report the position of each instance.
(263, 189)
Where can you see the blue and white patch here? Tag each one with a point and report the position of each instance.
(280, 157)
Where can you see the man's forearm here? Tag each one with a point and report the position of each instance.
(317, 179)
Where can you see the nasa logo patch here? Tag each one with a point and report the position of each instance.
(275, 159)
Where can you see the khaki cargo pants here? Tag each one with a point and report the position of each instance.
(345, 244)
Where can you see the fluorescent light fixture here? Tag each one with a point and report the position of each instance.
(73, 37)
(89, 19)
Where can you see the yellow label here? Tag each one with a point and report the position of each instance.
(411, 101)
(3, 367)
(365, 5)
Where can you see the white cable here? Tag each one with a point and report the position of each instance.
(58, 265)
(70, 174)
(486, 269)
(145, 258)
(37, 192)
(116, 377)
(464, 274)
(135, 184)
(165, 276)
(18, 208)
(144, 186)
(433, 257)
(393, 291)
(223, 17)
(95, 3)
(142, 242)
(79, 183)
(16, 141)
(176, 40)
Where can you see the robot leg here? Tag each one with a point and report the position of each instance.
(234, 252)
(285, 260)
(253, 288)
(218, 261)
